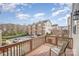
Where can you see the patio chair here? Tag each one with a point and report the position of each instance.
(60, 50)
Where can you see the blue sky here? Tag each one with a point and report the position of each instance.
(23, 13)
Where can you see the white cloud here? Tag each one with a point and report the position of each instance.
(65, 17)
(69, 5)
(24, 4)
(18, 10)
(22, 16)
(8, 6)
(38, 17)
(60, 11)
(53, 9)
(57, 12)
(61, 4)
(39, 14)
(11, 7)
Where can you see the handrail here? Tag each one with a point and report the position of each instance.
(26, 46)
(21, 48)
(58, 36)
(13, 44)
(56, 39)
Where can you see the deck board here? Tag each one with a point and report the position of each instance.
(44, 50)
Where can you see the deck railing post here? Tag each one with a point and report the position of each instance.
(56, 40)
(11, 51)
(7, 51)
(30, 45)
(14, 50)
(45, 38)
(3, 52)
(50, 52)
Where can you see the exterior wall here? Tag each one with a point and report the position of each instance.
(34, 29)
(60, 30)
(48, 27)
(26, 29)
(39, 28)
(44, 27)
(55, 30)
(70, 26)
(75, 36)
(29, 29)
(65, 33)
(55, 26)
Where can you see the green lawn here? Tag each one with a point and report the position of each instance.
(13, 36)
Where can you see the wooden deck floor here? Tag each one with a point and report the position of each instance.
(44, 50)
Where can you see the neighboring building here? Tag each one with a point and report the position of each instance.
(69, 22)
(29, 29)
(64, 27)
(55, 30)
(41, 27)
(59, 30)
(0, 38)
(55, 26)
(65, 32)
(33, 29)
(75, 27)
(47, 27)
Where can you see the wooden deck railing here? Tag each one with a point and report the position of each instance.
(24, 47)
(57, 40)
(16, 49)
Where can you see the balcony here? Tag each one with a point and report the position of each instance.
(39, 46)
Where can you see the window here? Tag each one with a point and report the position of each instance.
(74, 29)
(76, 15)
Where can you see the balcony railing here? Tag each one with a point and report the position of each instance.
(57, 40)
(24, 47)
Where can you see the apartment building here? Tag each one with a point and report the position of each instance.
(59, 30)
(34, 29)
(46, 27)
(65, 31)
(75, 27)
(40, 28)
(29, 29)
(55, 30)
(55, 26)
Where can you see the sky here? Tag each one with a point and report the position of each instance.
(28, 13)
